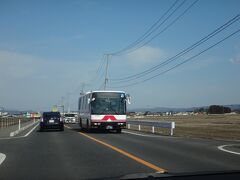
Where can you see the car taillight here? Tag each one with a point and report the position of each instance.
(61, 119)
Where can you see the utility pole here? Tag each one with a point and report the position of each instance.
(68, 100)
(68, 94)
(83, 84)
(106, 72)
(62, 105)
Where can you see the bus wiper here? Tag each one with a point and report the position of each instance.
(113, 109)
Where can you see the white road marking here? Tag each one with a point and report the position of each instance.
(14, 133)
(137, 134)
(28, 133)
(11, 138)
(225, 150)
(2, 158)
(31, 131)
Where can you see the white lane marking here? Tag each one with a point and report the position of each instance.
(11, 138)
(31, 131)
(137, 134)
(225, 150)
(14, 133)
(2, 158)
(28, 133)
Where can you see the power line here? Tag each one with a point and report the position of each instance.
(96, 77)
(99, 69)
(101, 73)
(168, 26)
(149, 31)
(180, 54)
(106, 72)
(152, 29)
(129, 50)
(185, 61)
(101, 87)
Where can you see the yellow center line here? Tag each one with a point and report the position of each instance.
(139, 160)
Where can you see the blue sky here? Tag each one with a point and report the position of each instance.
(49, 48)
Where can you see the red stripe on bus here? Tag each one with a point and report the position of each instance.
(99, 120)
(107, 117)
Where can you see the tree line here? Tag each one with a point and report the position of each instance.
(214, 109)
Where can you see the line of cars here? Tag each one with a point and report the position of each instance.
(56, 120)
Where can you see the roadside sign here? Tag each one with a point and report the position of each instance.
(54, 109)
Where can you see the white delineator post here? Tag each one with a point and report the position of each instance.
(129, 126)
(172, 127)
(19, 124)
(153, 129)
(139, 127)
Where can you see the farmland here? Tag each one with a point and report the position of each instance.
(201, 126)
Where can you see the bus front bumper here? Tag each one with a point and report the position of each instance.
(108, 125)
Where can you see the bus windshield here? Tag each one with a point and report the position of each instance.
(108, 103)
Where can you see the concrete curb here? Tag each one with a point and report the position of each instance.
(14, 133)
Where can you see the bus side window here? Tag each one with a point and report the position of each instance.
(88, 104)
(87, 108)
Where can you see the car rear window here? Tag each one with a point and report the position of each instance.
(69, 115)
(49, 115)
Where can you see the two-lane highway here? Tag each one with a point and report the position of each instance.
(74, 154)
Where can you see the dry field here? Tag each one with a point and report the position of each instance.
(202, 126)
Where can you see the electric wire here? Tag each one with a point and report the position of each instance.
(180, 54)
(185, 61)
(163, 30)
(148, 32)
(99, 69)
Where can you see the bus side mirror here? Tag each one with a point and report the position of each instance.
(128, 98)
(90, 100)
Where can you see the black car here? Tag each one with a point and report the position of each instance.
(51, 120)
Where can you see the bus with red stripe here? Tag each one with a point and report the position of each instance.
(103, 110)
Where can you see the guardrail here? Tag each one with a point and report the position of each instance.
(153, 124)
(10, 121)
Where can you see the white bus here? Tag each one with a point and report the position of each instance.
(103, 110)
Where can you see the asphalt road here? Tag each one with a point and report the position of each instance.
(74, 154)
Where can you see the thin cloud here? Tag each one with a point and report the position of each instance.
(145, 55)
(28, 81)
(79, 36)
(235, 60)
(16, 65)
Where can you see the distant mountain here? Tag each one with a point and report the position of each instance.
(161, 109)
(166, 109)
(155, 109)
(233, 106)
